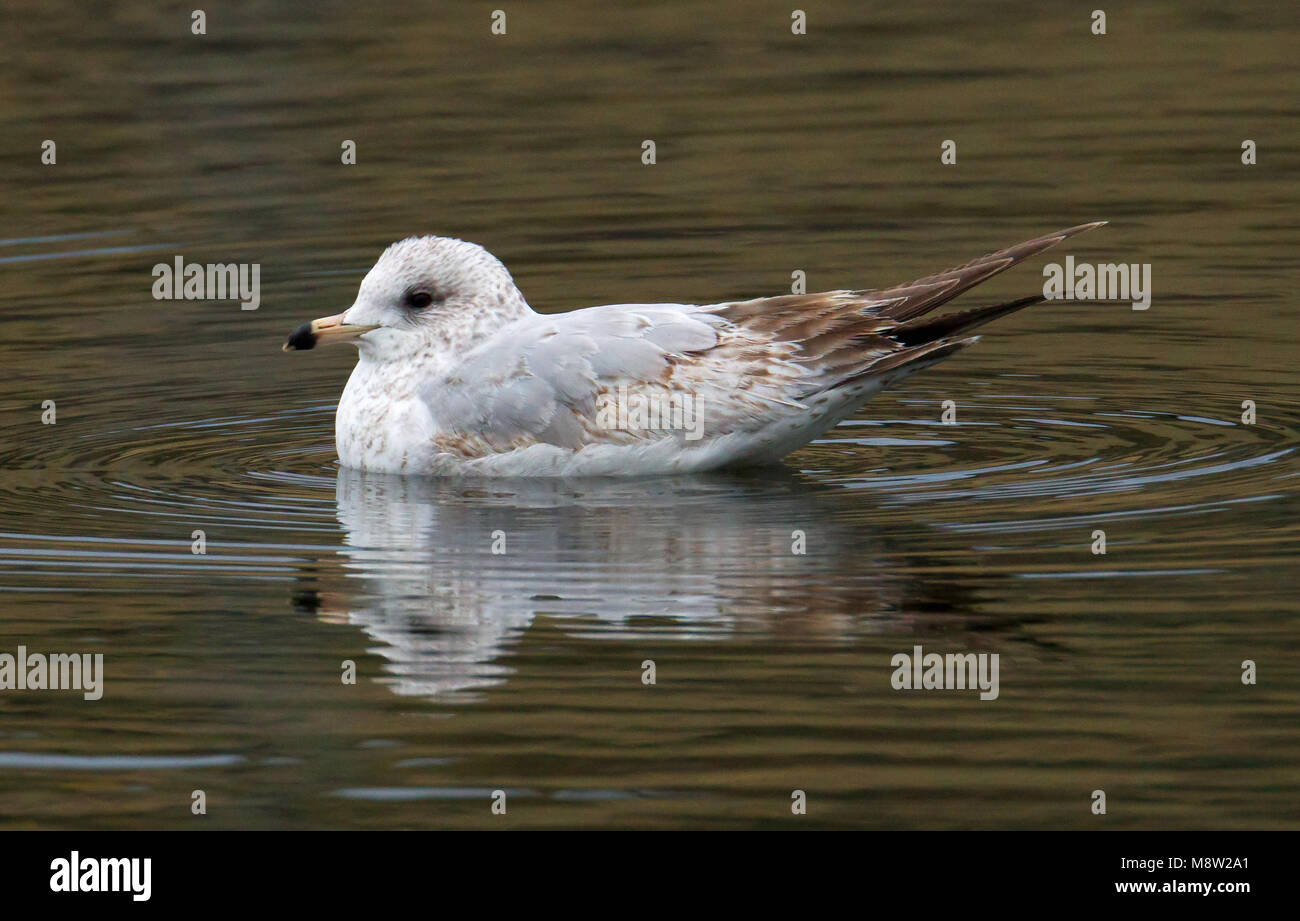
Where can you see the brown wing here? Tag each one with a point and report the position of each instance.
(845, 335)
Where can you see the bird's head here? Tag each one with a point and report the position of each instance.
(424, 294)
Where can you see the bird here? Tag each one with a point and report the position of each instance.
(458, 376)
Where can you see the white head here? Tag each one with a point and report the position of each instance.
(425, 294)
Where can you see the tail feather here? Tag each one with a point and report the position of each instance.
(912, 343)
(952, 324)
(846, 337)
(900, 364)
(927, 342)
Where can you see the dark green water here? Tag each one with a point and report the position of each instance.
(522, 671)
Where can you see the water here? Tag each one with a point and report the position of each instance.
(522, 671)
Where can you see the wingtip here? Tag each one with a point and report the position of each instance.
(1083, 227)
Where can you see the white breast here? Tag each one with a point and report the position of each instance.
(381, 426)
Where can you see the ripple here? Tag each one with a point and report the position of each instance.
(411, 794)
(43, 762)
(1081, 447)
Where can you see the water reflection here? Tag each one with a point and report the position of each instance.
(687, 558)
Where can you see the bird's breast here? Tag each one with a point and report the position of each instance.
(380, 426)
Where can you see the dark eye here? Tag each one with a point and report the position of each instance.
(418, 300)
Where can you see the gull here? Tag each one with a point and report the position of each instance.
(458, 376)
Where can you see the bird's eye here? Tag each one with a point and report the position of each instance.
(418, 300)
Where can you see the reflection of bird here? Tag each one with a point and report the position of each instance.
(678, 558)
(457, 374)
(752, 556)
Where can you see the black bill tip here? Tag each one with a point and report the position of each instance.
(301, 339)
